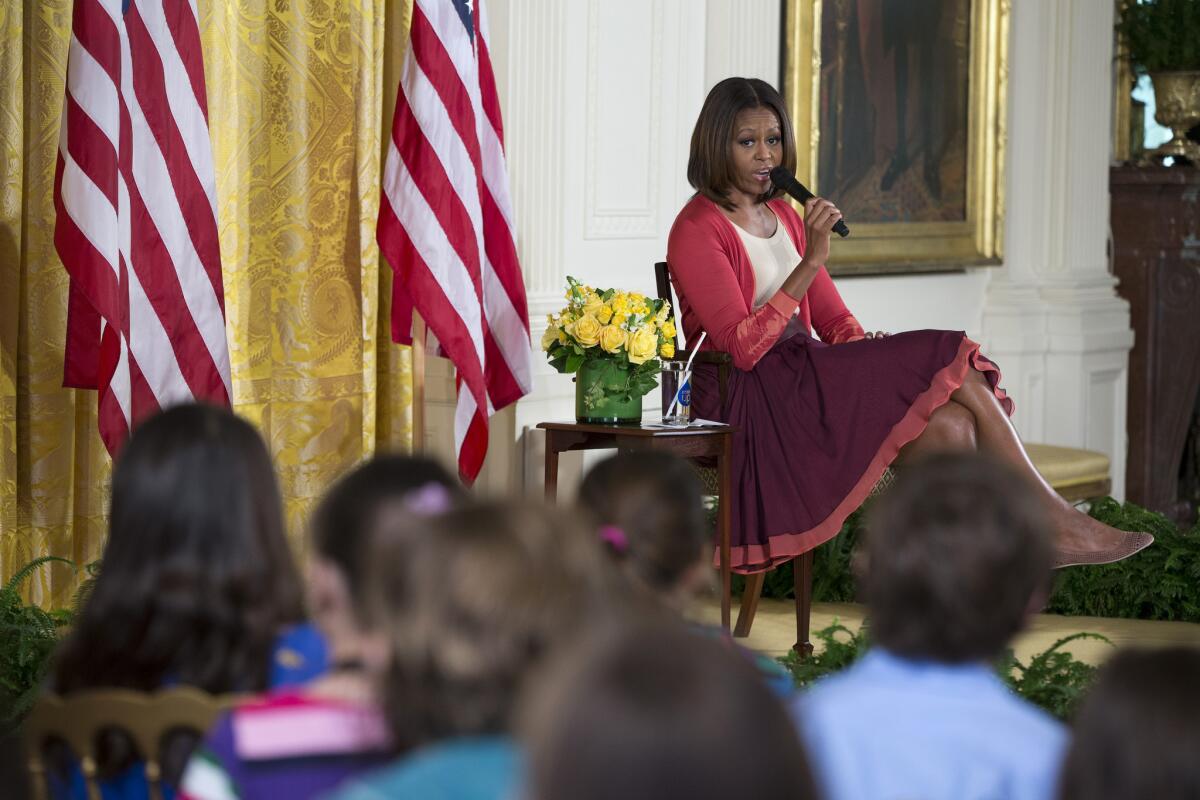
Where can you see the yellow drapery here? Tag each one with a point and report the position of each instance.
(296, 99)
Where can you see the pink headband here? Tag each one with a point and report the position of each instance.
(615, 538)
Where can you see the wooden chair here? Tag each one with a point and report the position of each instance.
(147, 718)
(802, 575)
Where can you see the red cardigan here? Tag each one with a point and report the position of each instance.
(714, 282)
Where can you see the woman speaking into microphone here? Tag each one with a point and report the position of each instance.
(820, 418)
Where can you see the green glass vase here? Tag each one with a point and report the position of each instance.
(602, 393)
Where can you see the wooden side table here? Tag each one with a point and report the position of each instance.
(713, 442)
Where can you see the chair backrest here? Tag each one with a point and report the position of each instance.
(77, 719)
(662, 280)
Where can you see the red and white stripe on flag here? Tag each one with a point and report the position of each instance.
(136, 225)
(445, 218)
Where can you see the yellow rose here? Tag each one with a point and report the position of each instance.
(592, 305)
(586, 330)
(642, 345)
(605, 314)
(668, 329)
(612, 338)
(549, 337)
(667, 350)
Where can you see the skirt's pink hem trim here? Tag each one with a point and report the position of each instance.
(783, 547)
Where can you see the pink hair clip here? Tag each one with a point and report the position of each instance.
(615, 538)
(428, 500)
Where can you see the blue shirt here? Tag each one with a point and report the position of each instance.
(483, 768)
(892, 729)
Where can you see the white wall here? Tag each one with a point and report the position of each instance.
(600, 97)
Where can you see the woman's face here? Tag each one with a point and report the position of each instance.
(757, 147)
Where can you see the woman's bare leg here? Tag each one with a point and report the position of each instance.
(951, 429)
(1081, 539)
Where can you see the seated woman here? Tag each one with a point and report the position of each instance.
(197, 586)
(819, 421)
(650, 511)
(1137, 732)
(302, 742)
(477, 604)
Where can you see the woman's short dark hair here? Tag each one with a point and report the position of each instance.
(664, 712)
(197, 581)
(710, 161)
(656, 501)
(345, 516)
(470, 606)
(1137, 733)
(957, 550)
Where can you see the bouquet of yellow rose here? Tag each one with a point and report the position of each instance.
(615, 336)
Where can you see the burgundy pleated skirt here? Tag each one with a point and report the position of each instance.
(818, 424)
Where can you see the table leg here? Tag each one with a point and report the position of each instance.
(551, 475)
(724, 501)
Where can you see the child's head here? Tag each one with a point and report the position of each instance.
(1137, 733)
(958, 550)
(344, 520)
(661, 711)
(197, 580)
(468, 607)
(650, 510)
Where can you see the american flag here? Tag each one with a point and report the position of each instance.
(445, 218)
(136, 224)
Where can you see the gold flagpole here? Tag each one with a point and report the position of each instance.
(418, 383)
(397, 22)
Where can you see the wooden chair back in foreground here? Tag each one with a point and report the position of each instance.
(79, 718)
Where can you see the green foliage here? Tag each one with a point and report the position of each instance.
(841, 648)
(28, 635)
(1053, 679)
(1162, 35)
(1161, 582)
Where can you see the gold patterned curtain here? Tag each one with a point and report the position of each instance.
(297, 99)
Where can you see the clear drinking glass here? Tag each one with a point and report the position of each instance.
(673, 375)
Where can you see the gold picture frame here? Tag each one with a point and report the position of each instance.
(967, 232)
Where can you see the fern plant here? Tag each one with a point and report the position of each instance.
(1053, 679)
(841, 648)
(28, 635)
(1161, 582)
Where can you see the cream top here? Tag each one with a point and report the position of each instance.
(772, 260)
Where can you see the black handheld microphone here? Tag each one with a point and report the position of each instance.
(787, 181)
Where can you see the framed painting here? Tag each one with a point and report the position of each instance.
(899, 109)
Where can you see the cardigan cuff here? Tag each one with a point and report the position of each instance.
(784, 303)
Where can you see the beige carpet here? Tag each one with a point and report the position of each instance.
(774, 629)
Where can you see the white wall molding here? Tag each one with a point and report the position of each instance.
(742, 39)
(623, 125)
(1052, 318)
